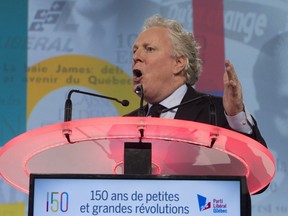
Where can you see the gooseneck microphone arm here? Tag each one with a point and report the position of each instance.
(68, 107)
(212, 109)
(185, 103)
(68, 103)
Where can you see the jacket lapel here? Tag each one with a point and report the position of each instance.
(192, 110)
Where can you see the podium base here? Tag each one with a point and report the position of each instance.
(137, 158)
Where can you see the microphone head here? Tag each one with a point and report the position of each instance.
(138, 89)
(125, 103)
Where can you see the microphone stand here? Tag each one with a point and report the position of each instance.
(68, 107)
(138, 155)
(212, 120)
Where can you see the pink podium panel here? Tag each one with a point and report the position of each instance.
(97, 147)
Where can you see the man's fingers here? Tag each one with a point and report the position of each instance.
(230, 76)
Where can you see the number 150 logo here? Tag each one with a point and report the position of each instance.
(57, 202)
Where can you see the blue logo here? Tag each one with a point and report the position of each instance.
(203, 204)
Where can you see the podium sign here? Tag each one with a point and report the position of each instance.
(82, 194)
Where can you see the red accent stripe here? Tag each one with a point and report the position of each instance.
(209, 31)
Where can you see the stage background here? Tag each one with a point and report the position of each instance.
(86, 44)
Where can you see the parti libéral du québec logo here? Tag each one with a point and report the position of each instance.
(217, 206)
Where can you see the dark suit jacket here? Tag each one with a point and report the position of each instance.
(199, 111)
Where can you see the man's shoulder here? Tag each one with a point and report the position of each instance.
(210, 97)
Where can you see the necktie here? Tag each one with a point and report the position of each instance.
(155, 110)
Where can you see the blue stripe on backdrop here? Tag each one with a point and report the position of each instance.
(13, 61)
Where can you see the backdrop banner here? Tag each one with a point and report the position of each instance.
(87, 45)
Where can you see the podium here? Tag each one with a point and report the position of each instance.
(97, 147)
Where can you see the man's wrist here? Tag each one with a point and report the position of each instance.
(241, 122)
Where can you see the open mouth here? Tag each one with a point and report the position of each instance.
(137, 73)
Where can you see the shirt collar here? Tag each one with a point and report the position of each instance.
(175, 98)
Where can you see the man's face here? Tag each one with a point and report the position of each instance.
(152, 55)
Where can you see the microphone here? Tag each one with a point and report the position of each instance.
(139, 90)
(212, 114)
(68, 107)
(68, 103)
(212, 109)
(185, 103)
